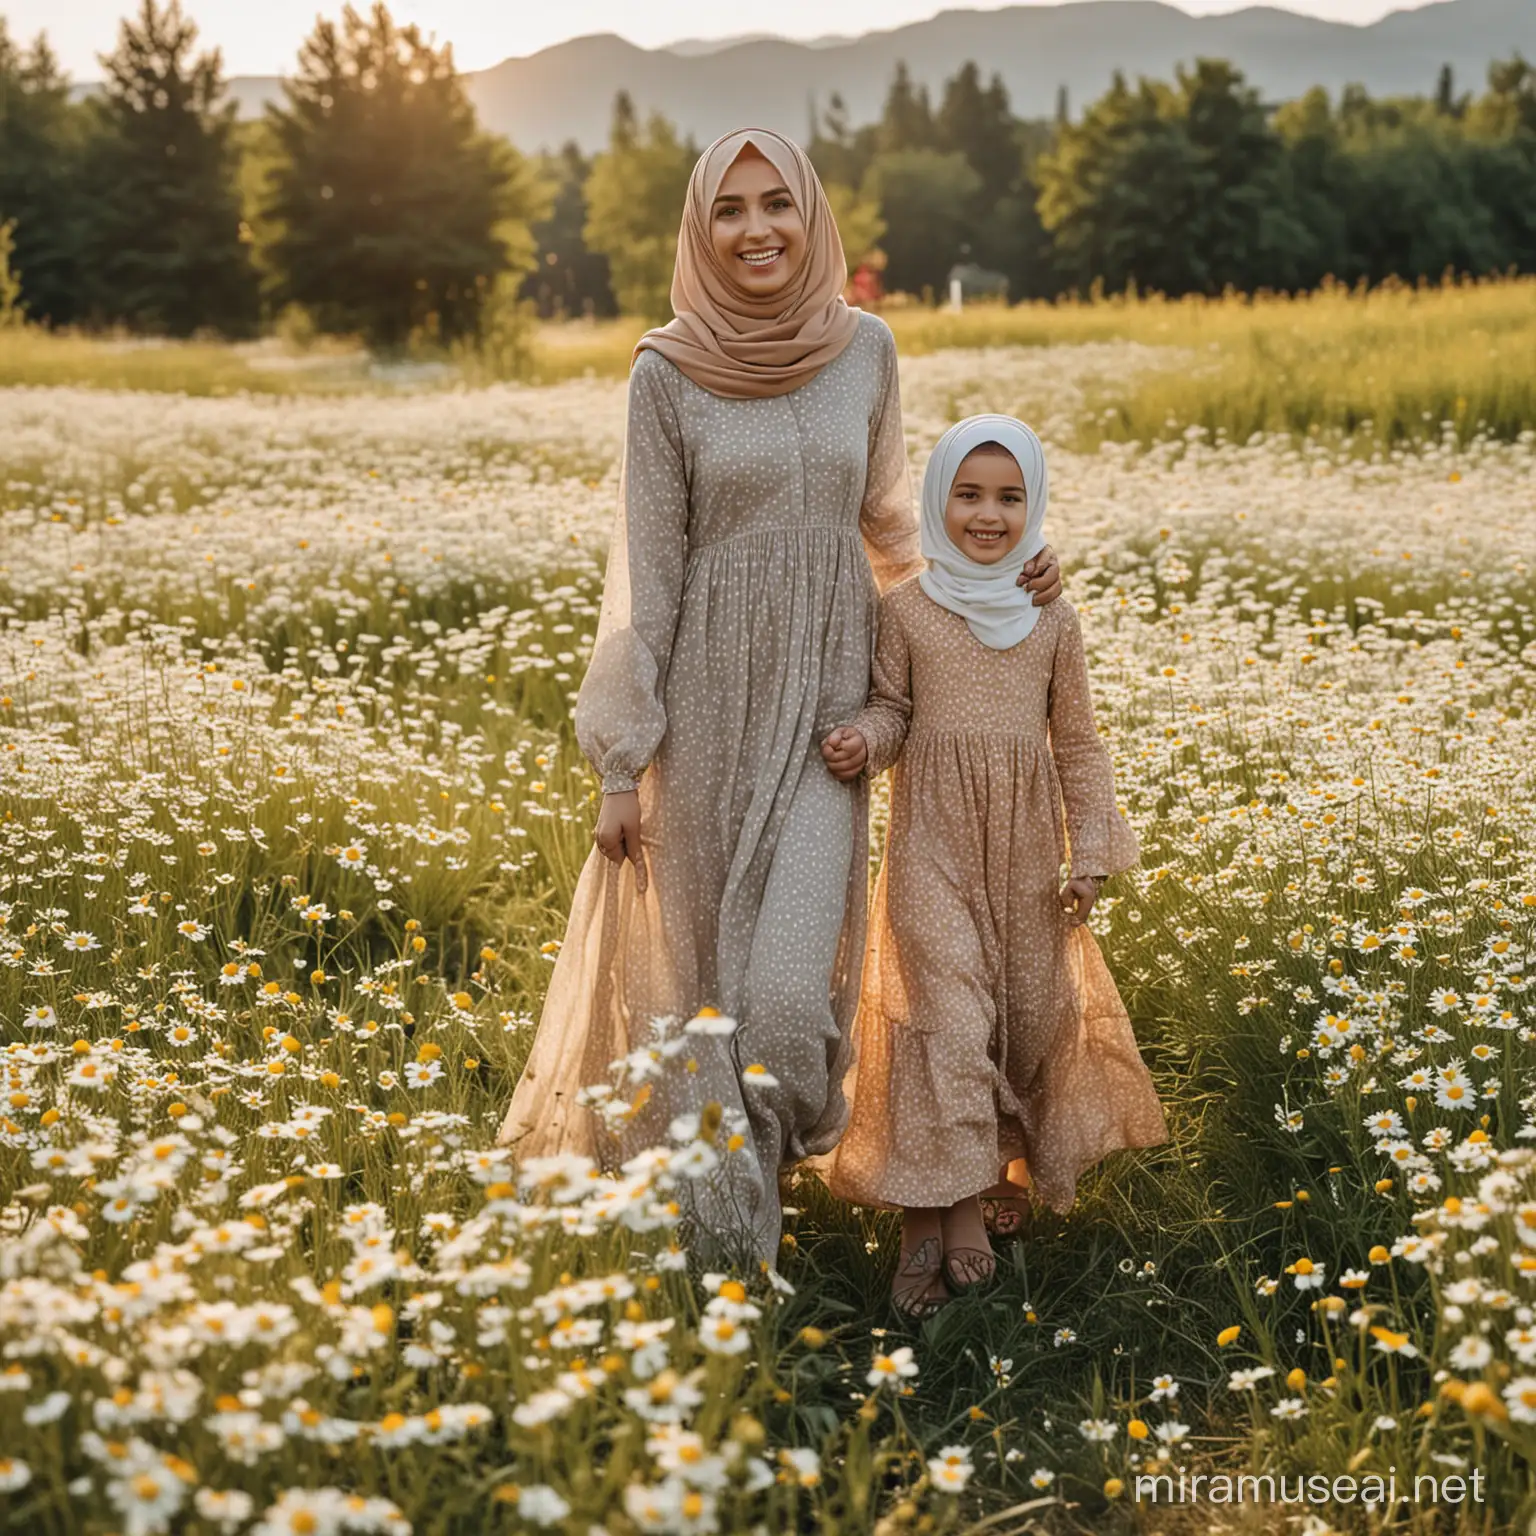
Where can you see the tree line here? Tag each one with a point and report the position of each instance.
(370, 201)
(1192, 186)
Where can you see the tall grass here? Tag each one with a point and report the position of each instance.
(1394, 363)
(31, 357)
(1390, 365)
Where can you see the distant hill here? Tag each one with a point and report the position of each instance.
(566, 92)
(693, 47)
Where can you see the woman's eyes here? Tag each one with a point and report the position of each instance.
(777, 205)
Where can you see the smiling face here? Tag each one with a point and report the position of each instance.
(757, 231)
(987, 507)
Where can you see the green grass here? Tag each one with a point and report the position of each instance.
(36, 359)
(1240, 697)
(1397, 364)
(1393, 364)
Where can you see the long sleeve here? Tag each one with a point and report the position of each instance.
(886, 518)
(1100, 840)
(884, 719)
(620, 716)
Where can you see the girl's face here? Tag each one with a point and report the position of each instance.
(757, 231)
(987, 507)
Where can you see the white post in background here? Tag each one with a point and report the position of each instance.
(954, 293)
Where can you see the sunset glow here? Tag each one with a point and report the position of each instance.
(262, 40)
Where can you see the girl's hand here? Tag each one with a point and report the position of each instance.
(618, 833)
(845, 753)
(1077, 899)
(1042, 575)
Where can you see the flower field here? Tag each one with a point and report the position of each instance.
(290, 811)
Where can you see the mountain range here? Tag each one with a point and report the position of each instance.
(566, 91)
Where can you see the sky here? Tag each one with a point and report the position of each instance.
(262, 39)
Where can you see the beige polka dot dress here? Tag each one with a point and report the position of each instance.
(738, 621)
(990, 1035)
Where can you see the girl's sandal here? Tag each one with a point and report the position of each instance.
(917, 1300)
(968, 1268)
(1002, 1215)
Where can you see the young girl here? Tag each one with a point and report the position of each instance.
(993, 1052)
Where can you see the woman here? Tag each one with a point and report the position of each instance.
(764, 502)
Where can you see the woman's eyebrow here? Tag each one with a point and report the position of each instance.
(740, 197)
(976, 485)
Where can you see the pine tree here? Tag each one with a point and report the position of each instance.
(569, 279)
(392, 214)
(976, 123)
(1014, 240)
(835, 119)
(164, 242)
(1117, 193)
(907, 122)
(624, 128)
(835, 150)
(633, 195)
(40, 177)
(1247, 235)
(1445, 92)
(1181, 189)
(1324, 177)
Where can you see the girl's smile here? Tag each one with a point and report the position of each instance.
(986, 537)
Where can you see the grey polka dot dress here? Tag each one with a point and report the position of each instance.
(738, 621)
(990, 1039)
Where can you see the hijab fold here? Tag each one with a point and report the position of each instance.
(728, 340)
(999, 611)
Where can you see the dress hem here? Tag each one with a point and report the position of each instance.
(842, 1191)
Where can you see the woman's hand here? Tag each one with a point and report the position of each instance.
(1042, 575)
(1078, 897)
(845, 753)
(618, 833)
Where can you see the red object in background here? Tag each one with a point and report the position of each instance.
(865, 289)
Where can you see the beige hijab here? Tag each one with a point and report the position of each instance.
(723, 338)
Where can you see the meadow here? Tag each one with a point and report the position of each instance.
(290, 811)
(1366, 368)
(1382, 366)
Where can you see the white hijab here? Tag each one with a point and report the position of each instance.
(999, 611)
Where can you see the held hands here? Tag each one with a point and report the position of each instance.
(845, 753)
(1078, 897)
(1042, 575)
(618, 833)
